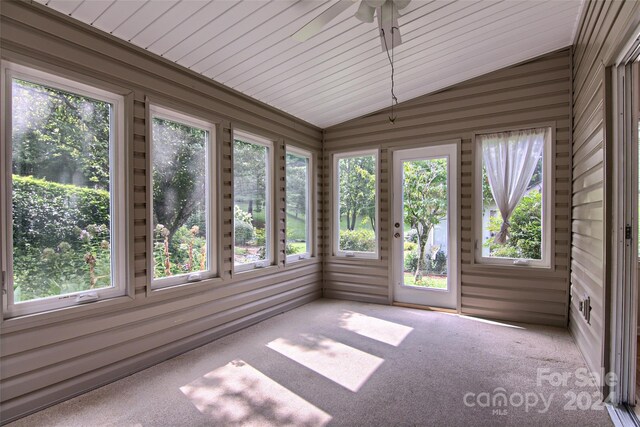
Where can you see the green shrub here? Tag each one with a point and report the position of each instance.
(241, 216)
(244, 233)
(410, 261)
(410, 246)
(187, 251)
(439, 263)
(49, 271)
(47, 213)
(185, 238)
(258, 221)
(295, 248)
(61, 238)
(361, 240)
(261, 236)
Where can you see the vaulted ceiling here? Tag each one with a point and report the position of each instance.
(342, 72)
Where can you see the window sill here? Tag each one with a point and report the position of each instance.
(479, 265)
(184, 288)
(26, 321)
(358, 255)
(359, 259)
(297, 257)
(256, 272)
(301, 262)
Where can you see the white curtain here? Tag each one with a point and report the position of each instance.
(510, 158)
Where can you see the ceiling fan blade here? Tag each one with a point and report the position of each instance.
(401, 4)
(388, 26)
(374, 3)
(316, 24)
(365, 12)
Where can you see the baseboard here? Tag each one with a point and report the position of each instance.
(426, 307)
(33, 402)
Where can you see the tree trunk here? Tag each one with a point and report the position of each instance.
(250, 207)
(353, 220)
(420, 267)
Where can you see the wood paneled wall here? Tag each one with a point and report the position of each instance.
(604, 27)
(45, 359)
(538, 91)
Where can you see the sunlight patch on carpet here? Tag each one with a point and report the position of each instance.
(371, 327)
(239, 394)
(338, 362)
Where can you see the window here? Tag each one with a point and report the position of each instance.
(182, 159)
(298, 171)
(356, 204)
(63, 201)
(514, 213)
(252, 201)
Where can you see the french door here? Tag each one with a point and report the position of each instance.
(425, 226)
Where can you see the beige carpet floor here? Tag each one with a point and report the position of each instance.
(353, 364)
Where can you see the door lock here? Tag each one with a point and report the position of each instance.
(397, 225)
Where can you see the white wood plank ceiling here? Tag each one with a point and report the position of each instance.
(342, 72)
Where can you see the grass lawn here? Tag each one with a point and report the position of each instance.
(362, 223)
(428, 281)
(298, 247)
(296, 227)
(296, 233)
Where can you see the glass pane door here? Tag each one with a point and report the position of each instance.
(425, 226)
(425, 211)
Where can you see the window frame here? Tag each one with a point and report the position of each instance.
(166, 113)
(252, 138)
(117, 182)
(337, 252)
(309, 202)
(547, 222)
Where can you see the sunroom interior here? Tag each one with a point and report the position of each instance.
(278, 213)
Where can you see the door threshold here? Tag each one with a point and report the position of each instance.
(425, 307)
(622, 416)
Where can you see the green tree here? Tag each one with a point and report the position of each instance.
(59, 136)
(249, 176)
(425, 201)
(525, 233)
(178, 178)
(296, 184)
(357, 189)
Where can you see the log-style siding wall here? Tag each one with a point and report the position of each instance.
(603, 29)
(49, 358)
(535, 92)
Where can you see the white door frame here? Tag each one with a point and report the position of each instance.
(623, 326)
(450, 149)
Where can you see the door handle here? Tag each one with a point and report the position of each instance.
(396, 235)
